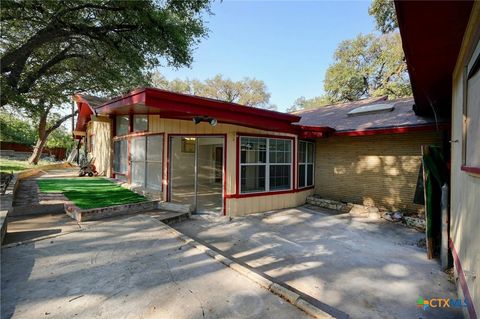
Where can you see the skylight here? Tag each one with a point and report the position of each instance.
(371, 109)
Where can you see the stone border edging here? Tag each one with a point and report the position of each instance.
(284, 291)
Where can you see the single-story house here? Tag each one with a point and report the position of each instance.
(213, 155)
(236, 160)
(441, 42)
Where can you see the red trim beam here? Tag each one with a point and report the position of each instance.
(463, 282)
(472, 170)
(395, 130)
(186, 106)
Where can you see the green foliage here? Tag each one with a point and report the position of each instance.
(90, 192)
(60, 138)
(51, 49)
(249, 91)
(385, 16)
(303, 103)
(14, 128)
(366, 66)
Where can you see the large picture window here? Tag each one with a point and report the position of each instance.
(265, 164)
(146, 156)
(305, 163)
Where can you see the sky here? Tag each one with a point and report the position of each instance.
(287, 44)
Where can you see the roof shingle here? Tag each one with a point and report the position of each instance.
(336, 116)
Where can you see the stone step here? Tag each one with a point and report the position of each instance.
(82, 215)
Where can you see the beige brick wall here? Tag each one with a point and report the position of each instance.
(379, 170)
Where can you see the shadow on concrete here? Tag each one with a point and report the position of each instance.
(364, 267)
(127, 268)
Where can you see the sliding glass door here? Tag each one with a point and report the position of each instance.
(196, 172)
(146, 160)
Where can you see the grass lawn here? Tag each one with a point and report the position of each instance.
(90, 192)
(8, 165)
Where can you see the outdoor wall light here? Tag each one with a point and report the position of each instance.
(211, 120)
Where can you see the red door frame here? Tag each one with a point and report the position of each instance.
(168, 168)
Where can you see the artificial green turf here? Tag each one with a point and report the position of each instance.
(90, 192)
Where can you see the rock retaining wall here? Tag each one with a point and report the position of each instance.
(350, 208)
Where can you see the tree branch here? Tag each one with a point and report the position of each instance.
(60, 122)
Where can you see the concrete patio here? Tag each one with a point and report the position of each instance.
(367, 268)
(130, 267)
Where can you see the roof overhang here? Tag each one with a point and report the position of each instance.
(432, 33)
(184, 107)
(85, 110)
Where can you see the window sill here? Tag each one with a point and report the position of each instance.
(271, 193)
(306, 188)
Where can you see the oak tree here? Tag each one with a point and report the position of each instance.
(51, 49)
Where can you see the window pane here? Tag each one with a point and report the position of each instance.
(140, 123)
(310, 155)
(138, 173)
(279, 177)
(120, 157)
(154, 148)
(301, 175)
(253, 178)
(253, 150)
(121, 125)
(280, 151)
(301, 152)
(154, 176)
(309, 174)
(137, 149)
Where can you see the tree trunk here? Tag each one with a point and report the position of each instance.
(44, 132)
(37, 150)
(42, 138)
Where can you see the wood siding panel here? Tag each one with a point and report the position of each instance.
(102, 146)
(465, 186)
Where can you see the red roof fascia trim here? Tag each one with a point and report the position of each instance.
(316, 128)
(84, 113)
(313, 134)
(395, 130)
(222, 105)
(81, 100)
(306, 131)
(224, 115)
